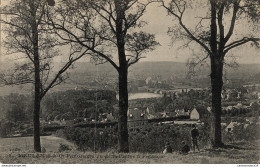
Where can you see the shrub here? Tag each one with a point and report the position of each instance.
(43, 150)
(240, 133)
(90, 139)
(6, 128)
(64, 147)
(151, 138)
(60, 133)
(78, 103)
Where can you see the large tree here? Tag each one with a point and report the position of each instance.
(214, 31)
(29, 40)
(111, 26)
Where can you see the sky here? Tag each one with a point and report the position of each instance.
(158, 23)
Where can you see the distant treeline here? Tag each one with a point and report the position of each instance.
(77, 103)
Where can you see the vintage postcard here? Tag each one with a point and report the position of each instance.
(130, 82)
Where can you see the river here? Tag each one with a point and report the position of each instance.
(132, 96)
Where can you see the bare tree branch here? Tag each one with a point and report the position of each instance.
(233, 21)
(79, 41)
(241, 42)
(182, 24)
(61, 71)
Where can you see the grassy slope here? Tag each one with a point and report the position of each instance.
(13, 150)
(25, 144)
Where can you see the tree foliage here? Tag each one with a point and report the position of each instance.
(19, 43)
(229, 16)
(28, 35)
(92, 25)
(107, 28)
(80, 103)
(214, 33)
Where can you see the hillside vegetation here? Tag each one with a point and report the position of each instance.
(237, 153)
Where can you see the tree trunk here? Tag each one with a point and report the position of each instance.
(216, 87)
(36, 116)
(216, 59)
(37, 81)
(122, 71)
(123, 108)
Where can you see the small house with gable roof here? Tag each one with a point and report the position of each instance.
(231, 126)
(194, 114)
(200, 113)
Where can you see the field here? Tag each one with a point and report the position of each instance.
(19, 150)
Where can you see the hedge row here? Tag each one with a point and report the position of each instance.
(149, 139)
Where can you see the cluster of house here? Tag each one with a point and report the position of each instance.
(149, 113)
(231, 94)
(69, 119)
(254, 89)
(158, 82)
(242, 106)
(237, 106)
(137, 117)
(233, 124)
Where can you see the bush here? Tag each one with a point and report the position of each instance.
(64, 147)
(148, 139)
(90, 139)
(153, 138)
(60, 133)
(80, 103)
(240, 133)
(6, 128)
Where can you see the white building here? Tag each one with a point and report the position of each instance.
(231, 126)
(148, 80)
(194, 114)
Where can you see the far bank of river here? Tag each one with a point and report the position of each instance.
(145, 95)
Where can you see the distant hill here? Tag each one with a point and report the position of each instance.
(164, 69)
(84, 72)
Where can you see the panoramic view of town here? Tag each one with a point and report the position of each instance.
(110, 81)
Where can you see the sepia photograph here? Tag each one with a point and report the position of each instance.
(130, 82)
